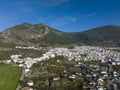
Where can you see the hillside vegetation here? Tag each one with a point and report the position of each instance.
(27, 34)
(104, 36)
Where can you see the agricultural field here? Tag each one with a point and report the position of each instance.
(9, 77)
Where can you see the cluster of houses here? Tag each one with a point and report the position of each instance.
(26, 63)
(77, 54)
(83, 53)
(100, 77)
(30, 47)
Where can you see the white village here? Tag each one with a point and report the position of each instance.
(80, 55)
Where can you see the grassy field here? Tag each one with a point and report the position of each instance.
(9, 77)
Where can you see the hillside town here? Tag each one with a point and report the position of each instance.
(85, 67)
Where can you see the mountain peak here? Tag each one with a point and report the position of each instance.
(25, 23)
(39, 24)
(29, 24)
(35, 34)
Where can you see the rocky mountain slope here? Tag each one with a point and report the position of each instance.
(37, 34)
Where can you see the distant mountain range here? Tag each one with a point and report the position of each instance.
(27, 34)
(104, 36)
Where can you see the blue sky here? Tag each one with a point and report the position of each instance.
(64, 15)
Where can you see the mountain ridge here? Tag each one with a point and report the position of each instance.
(43, 35)
(103, 35)
(39, 34)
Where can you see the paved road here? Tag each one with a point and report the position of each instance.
(21, 78)
(22, 74)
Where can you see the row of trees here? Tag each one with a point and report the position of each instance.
(5, 54)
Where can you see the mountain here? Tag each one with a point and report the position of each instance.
(26, 34)
(105, 36)
(37, 34)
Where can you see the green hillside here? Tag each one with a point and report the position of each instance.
(105, 36)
